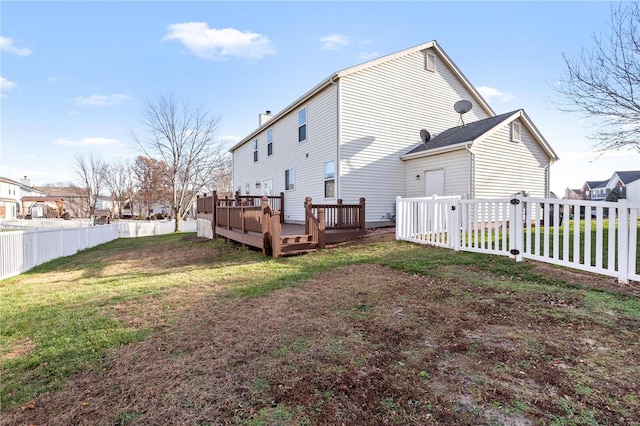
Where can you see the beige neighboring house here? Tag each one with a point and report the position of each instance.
(357, 133)
(76, 202)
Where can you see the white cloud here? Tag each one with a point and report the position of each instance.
(491, 92)
(5, 85)
(368, 55)
(7, 45)
(86, 142)
(333, 42)
(102, 100)
(219, 44)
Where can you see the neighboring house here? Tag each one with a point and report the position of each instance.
(76, 202)
(628, 182)
(573, 194)
(595, 190)
(11, 195)
(355, 135)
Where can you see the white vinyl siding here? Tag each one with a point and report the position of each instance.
(503, 168)
(456, 173)
(306, 158)
(383, 109)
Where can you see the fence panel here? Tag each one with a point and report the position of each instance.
(594, 236)
(204, 229)
(25, 249)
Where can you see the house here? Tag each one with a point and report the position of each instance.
(573, 194)
(595, 190)
(358, 134)
(628, 182)
(76, 201)
(11, 195)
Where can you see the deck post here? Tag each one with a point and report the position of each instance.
(281, 207)
(265, 217)
(340, 213)
(362, 216)
(276, 228)
(321, 228)
(214, 216)
(307, 225)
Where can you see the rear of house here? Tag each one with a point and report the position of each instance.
(344, 139)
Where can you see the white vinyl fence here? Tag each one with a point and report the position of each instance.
(44, 223)
(30, 243)
(603, 239)
(204, 229)
(22, 250)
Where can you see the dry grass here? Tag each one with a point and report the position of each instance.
(362, 344)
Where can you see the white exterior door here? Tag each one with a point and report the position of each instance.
(267, 187)
(434, 182)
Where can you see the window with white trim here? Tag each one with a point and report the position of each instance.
(516, 131)
(430, 61)
(302, 124)
(255, 150)
(269, 142)
(330, 179)
(289, 179)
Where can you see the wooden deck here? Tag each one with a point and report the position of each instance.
(260, 226)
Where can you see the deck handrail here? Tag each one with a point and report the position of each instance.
(343, 216)
(314, 226)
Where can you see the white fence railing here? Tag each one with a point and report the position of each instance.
(23, 249)
(602, 239)
(44, 223)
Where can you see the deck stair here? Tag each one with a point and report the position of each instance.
(297, 244)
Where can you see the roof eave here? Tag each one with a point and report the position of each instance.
(435, 151)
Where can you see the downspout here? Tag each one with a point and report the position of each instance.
(472, 173)
(547, 180)
(338, 136)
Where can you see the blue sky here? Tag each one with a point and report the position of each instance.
(73, 75)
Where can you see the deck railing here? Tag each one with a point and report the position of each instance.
(206, 204)
(343, 216)
(314, 224)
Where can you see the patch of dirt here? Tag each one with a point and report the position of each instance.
(18, 349)
(361, 345)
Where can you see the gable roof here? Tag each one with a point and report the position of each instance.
(460, 136)
(593, 184)
(369, 64)
(628, 176)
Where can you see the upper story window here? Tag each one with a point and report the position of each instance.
(289, 179)
(430, 61)
(516, 132)
(255, 150)
(302, 124)
(330, 179)
(269, 142)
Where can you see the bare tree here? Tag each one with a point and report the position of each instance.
(604, 83)
(152, 185)
(183, 136)
(222, 180)
(90, 177)
(118, 178)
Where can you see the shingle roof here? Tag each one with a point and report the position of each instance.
(593, 184)
(460, 134)
(629, 176)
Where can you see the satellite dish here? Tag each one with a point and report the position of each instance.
(462, 106)
(425, 136)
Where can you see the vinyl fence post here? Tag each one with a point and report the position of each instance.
(516, 227)
(623, 242)
(399, 216)
(453, 225)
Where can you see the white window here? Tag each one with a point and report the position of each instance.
(269, 142)
(302, 124)
(330, 179)
(430, 61)
(516, 129)
(255, 150)
(289, 179)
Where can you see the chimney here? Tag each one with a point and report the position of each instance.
(25, 182)
(264, 117)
